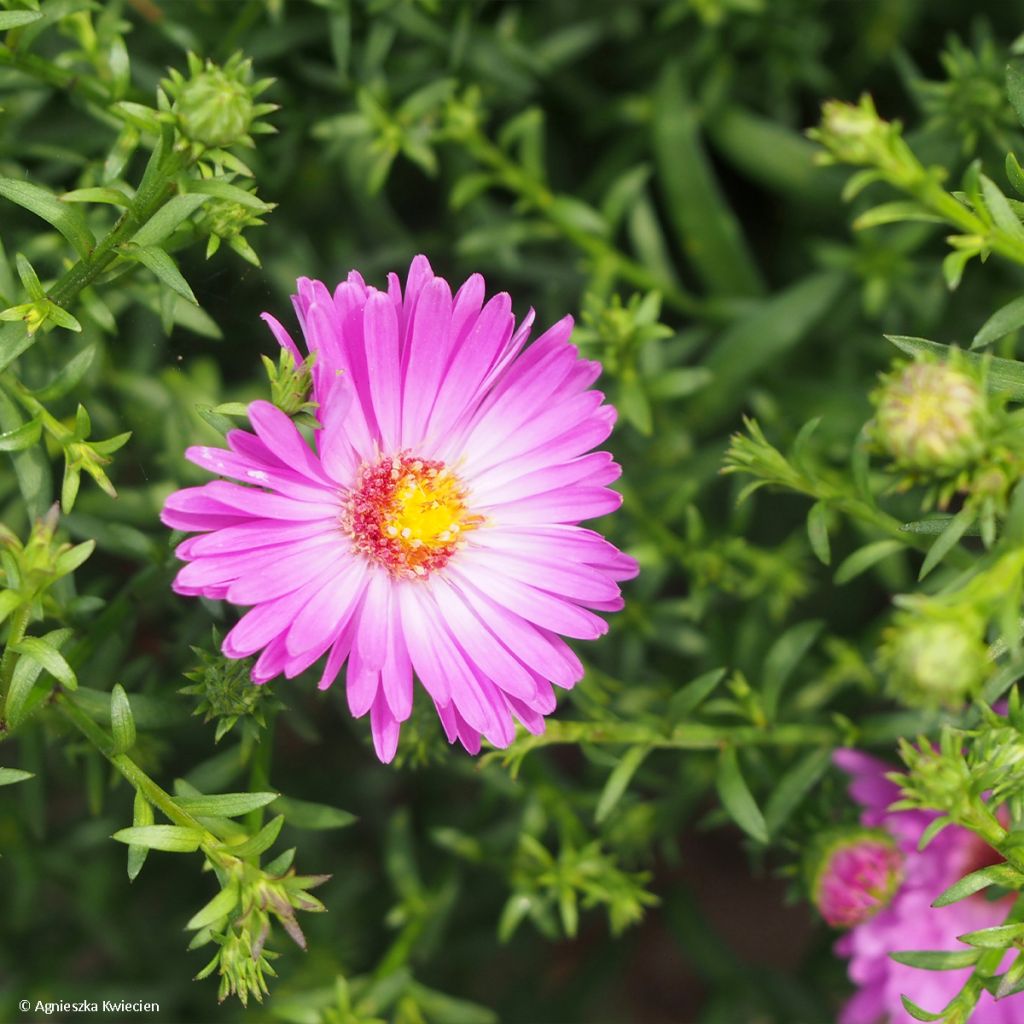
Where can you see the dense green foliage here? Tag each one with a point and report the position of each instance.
(644, 167)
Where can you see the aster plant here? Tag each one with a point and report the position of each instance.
(327, 642)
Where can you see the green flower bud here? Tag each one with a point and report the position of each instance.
(214, 108)
(290, 384)
(934, 661)
(931, 418)
(226, 692)
(852, 133)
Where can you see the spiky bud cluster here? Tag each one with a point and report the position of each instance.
(226, 692)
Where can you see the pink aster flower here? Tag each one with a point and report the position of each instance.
(433, 526)
(909, 922)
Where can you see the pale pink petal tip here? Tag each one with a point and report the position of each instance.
(430, 526)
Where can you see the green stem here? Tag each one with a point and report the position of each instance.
(150, 197)
(142, 783)
(544, 201)
(259, 773)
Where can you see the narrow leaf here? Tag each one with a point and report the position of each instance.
(1004, 320)
(122, 723)
(68, 220)
(794, 785)
(262, 841)
(996, 874)
(220, 906)
(226, 805)
(736, 796)
(937, 960)
(618, 780)
(170, 838)
(39, 650)
(312, 816)
(156, 260)
(21, 437)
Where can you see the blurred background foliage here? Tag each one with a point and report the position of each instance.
(644, 167)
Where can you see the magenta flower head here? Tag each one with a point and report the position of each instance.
(854, 875)
(433, 527)
(910, 922)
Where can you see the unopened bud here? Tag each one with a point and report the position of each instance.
(854, 874)
(934, 662)
(931, 418)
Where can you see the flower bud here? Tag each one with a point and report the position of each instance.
(290, 384)
(215, 106)
(851, 133)
(934, 661)
(854, 874)
(931, 417)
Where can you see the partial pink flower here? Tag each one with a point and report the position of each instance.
(909, 922)
(432, 529)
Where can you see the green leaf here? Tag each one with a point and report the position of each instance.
(262, 841)
(771, 153)
(794, 785)
(948, 539)
(26, 672)
(31, 466)
(998, 937)
(618, 780)
(122, 723)
(1004, 320)
(996, 874)
(736, 796)
(174, 212)
(219, 907)
(782, 660)
(68, 220)
(169, 838)
(21, 437)
(226, 805)
(937, 960)
(916, 1012)
(708, 230)
(1000, 208)
(15, 19)
(1015, 87)
(1002, 374)
(312, 816)
(895, 212)
(864, 558)
(68, 377)
(46, 655)
(1014, 173)
(156, 260)
(693, 694)
(111, 196)
(142, 816)
(9, 776)
(817, 532)
(232, 193)
(932, 830)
